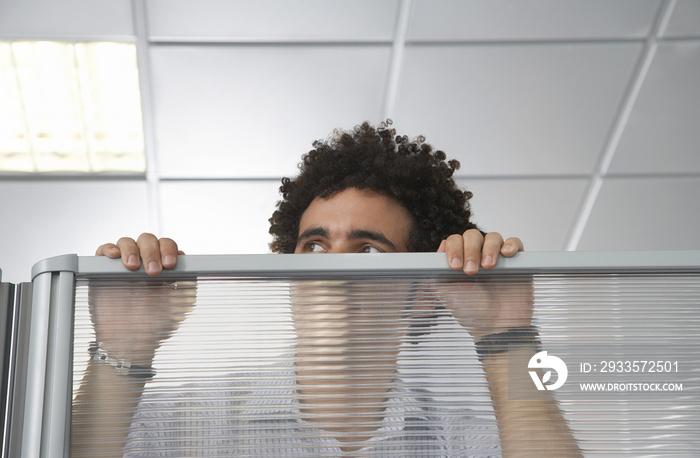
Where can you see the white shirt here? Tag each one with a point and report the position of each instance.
(258, 415)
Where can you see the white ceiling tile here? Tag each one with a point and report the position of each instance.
(69, 19)
(264, 20)
(663, 131)
(645, 214)
(436, 20)
(219, 217)
(685, 20)
(252, 111)
(515, 109)
(539, 212)
(50, 218)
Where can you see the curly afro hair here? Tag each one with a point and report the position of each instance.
(409, 171)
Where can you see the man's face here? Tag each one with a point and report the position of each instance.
(348, 333)
(354, 221)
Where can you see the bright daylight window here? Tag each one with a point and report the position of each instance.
(70, 107)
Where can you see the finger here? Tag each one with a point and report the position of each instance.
(473, 243)
(108, 249)
(491, 249)
(129, 253)
(511, 246)
(168, 252)
(453, 246)
(464, 251)
(149, 247)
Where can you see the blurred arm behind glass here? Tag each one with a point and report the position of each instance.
(498, 313)
(130, 321)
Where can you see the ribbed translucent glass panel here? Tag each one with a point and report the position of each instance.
(387, 365)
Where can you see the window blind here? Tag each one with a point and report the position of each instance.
(364, 355)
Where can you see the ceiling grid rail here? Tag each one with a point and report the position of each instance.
(140, 21)
(630, 97)
(397, 58)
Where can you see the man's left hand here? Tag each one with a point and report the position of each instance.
(470, 250)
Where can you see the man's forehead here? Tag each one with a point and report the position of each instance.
(355, 213)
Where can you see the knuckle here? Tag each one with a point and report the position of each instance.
(495, 239)
(473, 233)
(146, 236)
(165, 241)
(517, 242)
(453, 240)
(103, 248)
(124, 241)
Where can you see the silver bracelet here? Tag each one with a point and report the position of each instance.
(123, 366)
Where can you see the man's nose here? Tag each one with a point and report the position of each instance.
(341, 247)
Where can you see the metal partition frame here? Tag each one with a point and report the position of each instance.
(7, 300)
(16, 334)
(44, 410)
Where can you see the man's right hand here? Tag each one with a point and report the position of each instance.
(131, 319)
(138, 320)
(155, 253)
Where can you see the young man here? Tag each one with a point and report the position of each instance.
(363, 191)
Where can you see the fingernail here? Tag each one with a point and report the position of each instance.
(488, 260)
(132, 261)
(169, 260)
(153, 266)
(456, 263)
(472, 267)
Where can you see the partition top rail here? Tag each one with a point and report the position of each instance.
(386, 264)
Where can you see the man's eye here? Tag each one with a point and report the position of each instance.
(315, 247)
(370, 249)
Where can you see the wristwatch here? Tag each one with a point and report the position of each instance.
(123, 366)
(500, 341)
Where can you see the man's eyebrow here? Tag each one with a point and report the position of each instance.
(372, 235)
(313, 232)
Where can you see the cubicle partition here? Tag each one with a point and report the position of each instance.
(7, 292)
(15, 304)
(356, 355)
